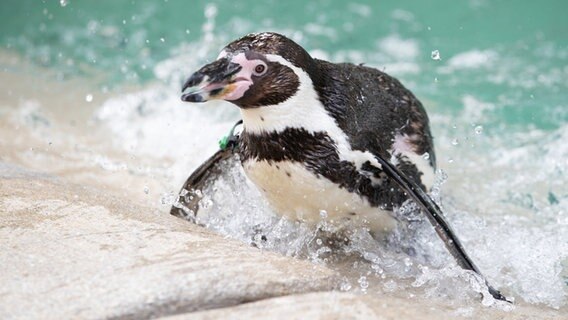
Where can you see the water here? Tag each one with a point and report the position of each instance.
(103, 108)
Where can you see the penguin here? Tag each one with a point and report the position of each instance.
(339, 141)
(312, 130)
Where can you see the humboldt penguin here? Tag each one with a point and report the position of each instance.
(322, 140)
(312, 130)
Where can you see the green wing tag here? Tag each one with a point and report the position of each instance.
(224, 142)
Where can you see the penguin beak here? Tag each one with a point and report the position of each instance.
(212, 81)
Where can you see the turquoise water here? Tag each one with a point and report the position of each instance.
(496, 93)
(526, 42)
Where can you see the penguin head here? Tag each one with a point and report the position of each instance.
(254, 71)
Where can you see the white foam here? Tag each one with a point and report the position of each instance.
(473, 59)
(404, 49)
(360, 9)
(319, 30)
(506, 196)
(475, 109)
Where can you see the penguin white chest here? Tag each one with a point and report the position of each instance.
(297, 193)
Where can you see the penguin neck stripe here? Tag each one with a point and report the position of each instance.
(291, 144)
(303, 111)
(318, 154)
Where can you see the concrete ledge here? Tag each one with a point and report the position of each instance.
(342, 305)
(67, 251)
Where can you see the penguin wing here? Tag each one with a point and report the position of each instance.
(379, 115)
(434, 214)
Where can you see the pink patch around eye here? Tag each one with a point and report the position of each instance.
(243, 79)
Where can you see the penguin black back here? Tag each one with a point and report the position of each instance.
(374, 109)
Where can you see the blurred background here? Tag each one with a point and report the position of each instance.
(90, 91)
(507, 52)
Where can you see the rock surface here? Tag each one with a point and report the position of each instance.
(325, 305)
(342, 305)
(67, 251)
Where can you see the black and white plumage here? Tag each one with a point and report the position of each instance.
(313, 129)
(318, 136)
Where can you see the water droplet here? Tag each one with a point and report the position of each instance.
(63, 3)
(478, 129)
(436, 79)
(319, 242)
(89, 97)
(187, 31)
(363, 283)
(146, 189)
(345, 285)
(390, 286)
(450, 160)
(168, 198)
(455, 142)
(206, 203)
(426, 156)
(177, 204)
(162, 39)
(323, 214)
(436, 55)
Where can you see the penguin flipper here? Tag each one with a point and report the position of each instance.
(438, 221)
(187, 206)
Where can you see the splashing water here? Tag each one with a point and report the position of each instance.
(493, 222)
(498, 115)
(436, 55)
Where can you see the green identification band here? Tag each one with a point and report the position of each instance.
(230, 140)
(224, 142)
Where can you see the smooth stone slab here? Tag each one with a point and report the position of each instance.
(343, 305)
(324, 305)
(71, 252)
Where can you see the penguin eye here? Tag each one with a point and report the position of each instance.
(260, 69)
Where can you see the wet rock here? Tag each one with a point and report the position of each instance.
(325, 305)
(67, 251)
(342, 305)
